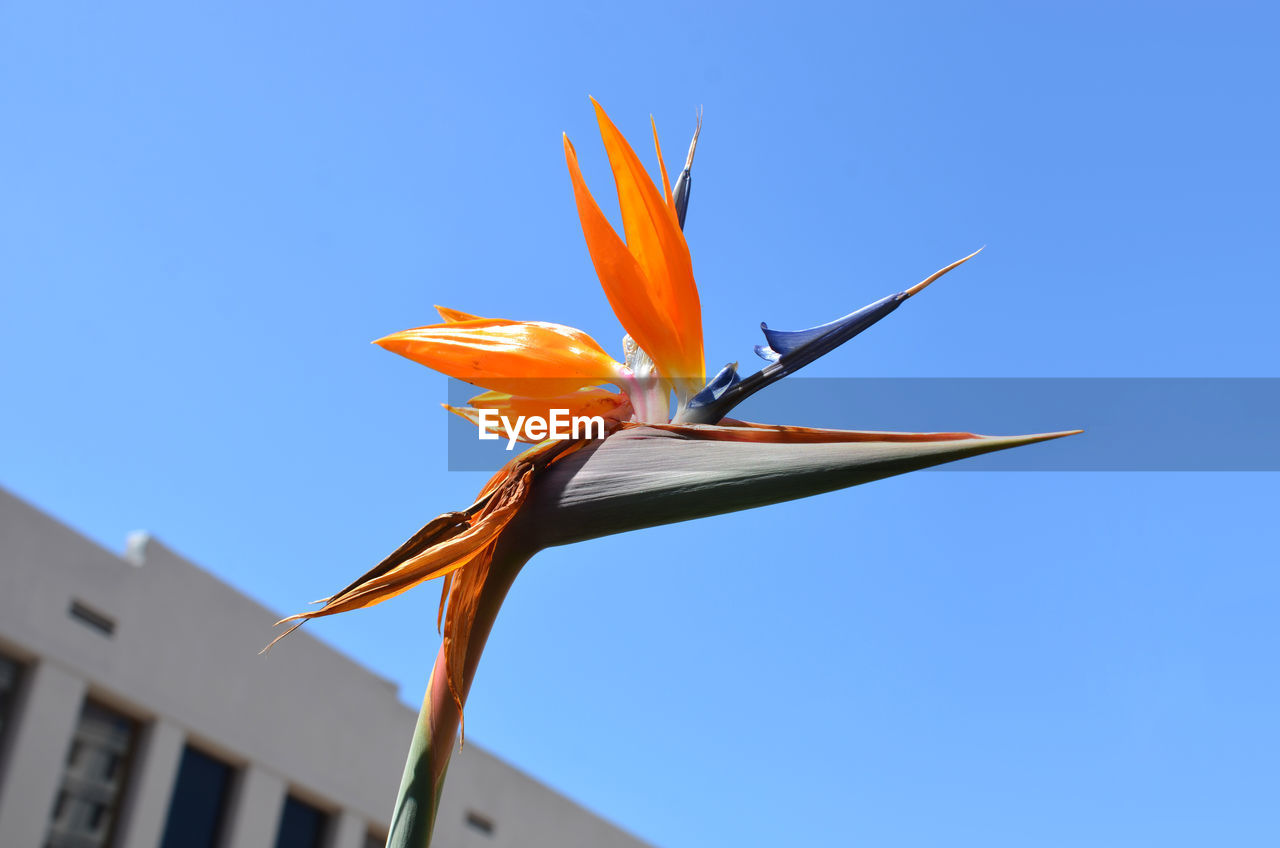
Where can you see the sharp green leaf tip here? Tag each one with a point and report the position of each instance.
(644, 477)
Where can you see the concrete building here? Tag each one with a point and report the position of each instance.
(135, 712)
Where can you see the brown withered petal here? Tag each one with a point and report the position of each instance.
(457, 546)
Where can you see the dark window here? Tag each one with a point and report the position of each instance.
(91, 618)
(93, 780)
(301, 825)
(10, 671)
(482, 823)
(199, 802)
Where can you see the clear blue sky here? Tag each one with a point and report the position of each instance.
(206, 214)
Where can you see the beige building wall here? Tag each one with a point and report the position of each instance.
(182, 659)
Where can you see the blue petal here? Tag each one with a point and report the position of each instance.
(837, 332)
(716, 386)
(787, 352)
(684, 185)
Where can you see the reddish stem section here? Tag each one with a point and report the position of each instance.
(439, 720)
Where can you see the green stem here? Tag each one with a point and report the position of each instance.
(418, 801)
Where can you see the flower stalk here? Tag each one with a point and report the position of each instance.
(440, 718)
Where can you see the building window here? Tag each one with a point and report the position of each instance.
(91, 618)
(9, 673)
(198, 803)
(301, 825)
(480, 822)
(10, 676)
(93, 779)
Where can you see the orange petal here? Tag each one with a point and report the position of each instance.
(447, 543)
(587, 402)
(531, 358)
(458, 546)
(595, 401)
(662, 164)
(445, 585)
(453, 316)
(510, 487)
(459, 620)
(435, 560)
(654, 238)
(621, 276)
(649, 279)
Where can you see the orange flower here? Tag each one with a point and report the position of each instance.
(653, 467)
(531, 358)
(531, 368)
(649, 278)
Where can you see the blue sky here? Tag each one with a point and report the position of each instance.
(208, 212)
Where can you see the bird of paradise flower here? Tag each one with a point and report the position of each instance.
(657, 464)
